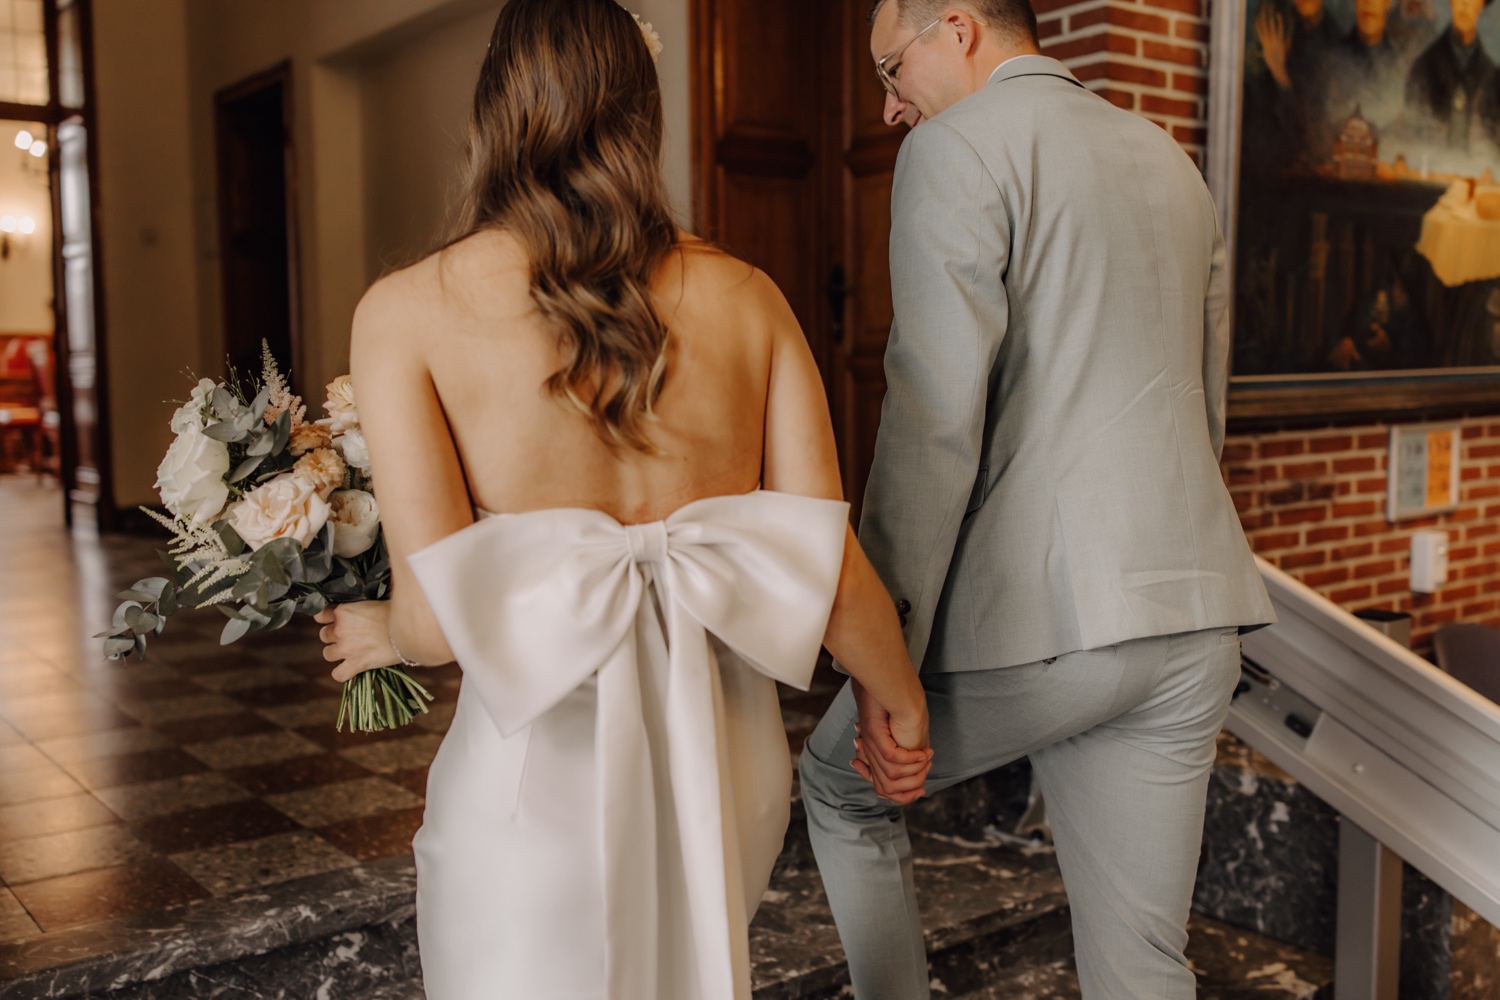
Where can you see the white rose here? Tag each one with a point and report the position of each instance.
(286, 507)
(340, 404)
(356, 452)
(190, 414)
(356, 520)
(191, 476)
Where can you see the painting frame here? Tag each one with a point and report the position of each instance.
(1257, 401)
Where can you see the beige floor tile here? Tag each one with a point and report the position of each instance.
(15, 922)
(67, 812)
(250, 863)
(66, 853)
(158, 798)
(21, 757)
(248, 751)
(31, 784)
(345, 800)
(395, 755)
(111, 743)
(306, 713)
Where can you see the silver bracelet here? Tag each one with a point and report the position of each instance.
(391, 635)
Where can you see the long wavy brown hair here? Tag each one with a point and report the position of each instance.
(564, 149)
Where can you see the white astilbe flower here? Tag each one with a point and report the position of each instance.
(282, 399)
(197, 544)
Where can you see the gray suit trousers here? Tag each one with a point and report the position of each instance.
(1122, 740)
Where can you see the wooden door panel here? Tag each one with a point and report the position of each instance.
(764, 220)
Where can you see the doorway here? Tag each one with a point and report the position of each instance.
(792, 171)
(257, 220)
(57, 427)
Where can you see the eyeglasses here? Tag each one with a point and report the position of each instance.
(887, 77)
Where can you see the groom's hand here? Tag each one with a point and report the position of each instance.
(898, 773)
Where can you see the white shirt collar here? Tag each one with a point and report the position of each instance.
(1011, 60)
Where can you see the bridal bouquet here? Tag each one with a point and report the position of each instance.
(271, 515)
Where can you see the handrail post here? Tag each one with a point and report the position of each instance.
(1367, 955)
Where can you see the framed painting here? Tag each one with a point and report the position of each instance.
(1355, 158)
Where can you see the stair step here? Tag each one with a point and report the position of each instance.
(996, 919)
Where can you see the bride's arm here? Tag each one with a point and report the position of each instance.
(864, 633)
(419, 480)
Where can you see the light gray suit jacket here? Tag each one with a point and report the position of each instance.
(1046, 475)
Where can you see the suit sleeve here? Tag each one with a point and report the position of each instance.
(950, 245)
(1216, 341)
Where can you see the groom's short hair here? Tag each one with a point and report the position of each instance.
(1013, 17)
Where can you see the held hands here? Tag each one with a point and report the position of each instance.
(891, 751)
(359, 635)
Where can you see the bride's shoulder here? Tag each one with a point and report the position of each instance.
(449, 282)
(705, 275)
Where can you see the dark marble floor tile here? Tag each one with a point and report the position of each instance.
(326, 735)
(347, 800)
(32, 784)
(1232, 964)
(171, 795)
(68, 812)
(89, 897)
(129, 769)
(211, 826)
(413, 780)
(297, 773)
(252, 750)
(373, 837)
(213, 727)
(281, 694)
(128, 693)
(244, 864)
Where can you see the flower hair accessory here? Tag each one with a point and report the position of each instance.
(653, 40)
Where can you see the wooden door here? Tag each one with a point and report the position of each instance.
(257, 221)
(793, 173)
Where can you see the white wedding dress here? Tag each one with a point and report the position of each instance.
(604, 813)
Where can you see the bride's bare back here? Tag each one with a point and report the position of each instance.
(523, 448)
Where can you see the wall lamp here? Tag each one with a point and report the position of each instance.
(15, 228)
(36, 147)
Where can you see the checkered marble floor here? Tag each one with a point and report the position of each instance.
(204, 771)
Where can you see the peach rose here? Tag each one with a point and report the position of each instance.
(286, 507)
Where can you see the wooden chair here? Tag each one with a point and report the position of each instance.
(1471, 653)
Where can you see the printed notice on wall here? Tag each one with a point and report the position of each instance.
(1423, 473)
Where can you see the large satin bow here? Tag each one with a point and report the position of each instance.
(534, 604)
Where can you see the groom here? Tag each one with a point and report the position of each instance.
(1046, 503)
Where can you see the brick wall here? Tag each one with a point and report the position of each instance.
(1312, 501)
(1149, 56)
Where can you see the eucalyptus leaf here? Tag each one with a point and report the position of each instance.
(122, 611)
(259, 403)
(224, 402)
(234, 629)
(245, 468)
(282, 431)
(227, 431)
(167, 603)
(140, 646)
(117, 647)
(144, 597)
(282, 615)
(233, 543)
(312, 603)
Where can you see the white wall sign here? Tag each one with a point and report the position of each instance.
(1423, 475)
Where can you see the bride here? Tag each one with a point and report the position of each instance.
(609, 488)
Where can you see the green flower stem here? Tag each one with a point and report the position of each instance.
(383, 698)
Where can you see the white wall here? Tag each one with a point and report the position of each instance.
(416, 98)
(381, 91)
(145, 183)
(26, 277)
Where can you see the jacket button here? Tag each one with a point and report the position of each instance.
(903, 607)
